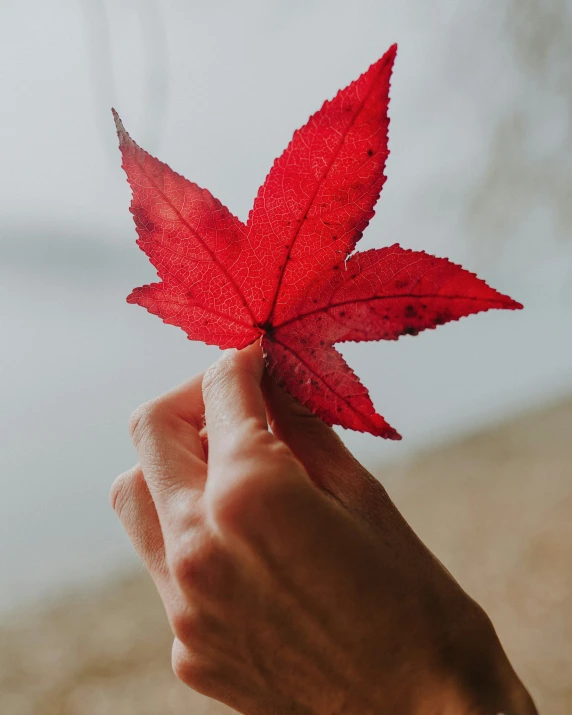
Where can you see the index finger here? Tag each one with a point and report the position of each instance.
(166, 435)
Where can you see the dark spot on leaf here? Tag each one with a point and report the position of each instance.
(410, 311)
(443, 317)
(410, 330)
(370, 152)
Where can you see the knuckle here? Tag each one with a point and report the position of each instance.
(193, 671)
(121, 490)
(233, 502)
(145, 419)
(187, 627)
(224, 510)
(181, 566)
(193, 568)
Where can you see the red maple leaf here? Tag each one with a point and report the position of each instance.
(285, 277)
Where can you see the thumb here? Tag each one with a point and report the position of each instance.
(330, 465)
(314, 443)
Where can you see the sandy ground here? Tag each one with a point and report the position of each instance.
(496, 508)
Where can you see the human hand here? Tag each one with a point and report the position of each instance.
(291, 582)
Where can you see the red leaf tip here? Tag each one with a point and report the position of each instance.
(380, 428)
(391, 434)
(121, 131)
(392, 51)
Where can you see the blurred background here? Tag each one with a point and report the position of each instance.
(480, 171)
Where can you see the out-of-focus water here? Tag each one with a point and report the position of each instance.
(479, 155)
(76, 359)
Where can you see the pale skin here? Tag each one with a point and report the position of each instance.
(291, 582)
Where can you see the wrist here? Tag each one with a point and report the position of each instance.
(476, 675)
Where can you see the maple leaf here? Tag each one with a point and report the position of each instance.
(288, 276)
